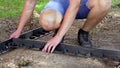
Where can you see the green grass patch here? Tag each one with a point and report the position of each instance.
(12, 8)
(40, 5)
(115, 2)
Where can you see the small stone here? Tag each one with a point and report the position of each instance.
(12, 65)
(1, 59)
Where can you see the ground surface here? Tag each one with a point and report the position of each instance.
(105, 36)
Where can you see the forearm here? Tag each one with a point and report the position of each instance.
(26, 13)
(68, 19)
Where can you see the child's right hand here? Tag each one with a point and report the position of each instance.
(16, 34)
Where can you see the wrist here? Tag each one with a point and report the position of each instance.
(19, 30)
(58, 36)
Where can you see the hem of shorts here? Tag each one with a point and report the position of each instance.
(87, 4)
(52, 9)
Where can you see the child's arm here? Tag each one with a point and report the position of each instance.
(26, 13)
(67, 22)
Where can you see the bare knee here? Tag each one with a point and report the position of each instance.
(50, 20)
(105, 5)
(101, 5)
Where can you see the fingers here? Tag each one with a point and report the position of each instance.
(49, 48)
(13, 36)
(16, 34)
(53, 49)
(45, 48)
(51, 45)
(10, 37)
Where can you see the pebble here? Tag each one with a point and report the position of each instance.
(12, 65)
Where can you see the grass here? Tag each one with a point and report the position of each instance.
(115, 2)
(40, 5)
(12, 8)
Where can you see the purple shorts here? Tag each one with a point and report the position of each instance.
(61, 6)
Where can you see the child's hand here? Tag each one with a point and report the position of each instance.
(16, 34)
(52, 44)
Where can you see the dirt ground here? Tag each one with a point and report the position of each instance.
(105, 36)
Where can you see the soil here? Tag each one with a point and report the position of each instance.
(105, 36)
